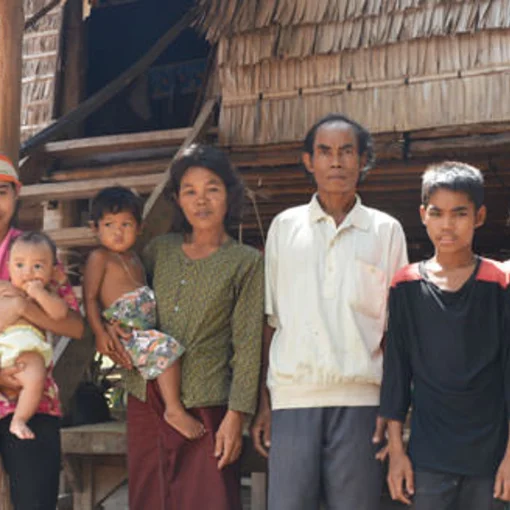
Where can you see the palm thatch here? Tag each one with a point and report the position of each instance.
(41, 54)
(396, 65)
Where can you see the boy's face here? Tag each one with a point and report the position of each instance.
(117, 232)
(336, 164)
(29, 262)
(451, 219)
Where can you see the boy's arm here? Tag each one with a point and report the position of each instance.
(400, 472)
(53, 305)
(502, 482)
(93, 276)
(396, 398)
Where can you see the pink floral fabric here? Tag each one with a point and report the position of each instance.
(50, 403)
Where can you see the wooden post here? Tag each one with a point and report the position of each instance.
(11, 35)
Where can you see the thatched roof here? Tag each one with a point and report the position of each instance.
(41, 54)
(392, 64)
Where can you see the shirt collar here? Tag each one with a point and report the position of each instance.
(357, 216)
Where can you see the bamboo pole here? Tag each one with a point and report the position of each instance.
(11, 37)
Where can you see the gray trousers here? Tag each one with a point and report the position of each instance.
(445, 491)
(324, 455)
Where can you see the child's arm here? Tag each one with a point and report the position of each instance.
(400, 472)
(396, 396)
(53, 305)
(95, 270)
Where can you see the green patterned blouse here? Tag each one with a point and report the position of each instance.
(214, 308)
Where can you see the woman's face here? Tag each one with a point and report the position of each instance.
(203, 199)
(8, 197)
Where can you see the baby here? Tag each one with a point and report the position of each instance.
(115, 289)
(32, 261)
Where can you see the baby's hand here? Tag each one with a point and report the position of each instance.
(33, 288)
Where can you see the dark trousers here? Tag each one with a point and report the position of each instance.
(324, 455)
(445, 491)
(33, 465)
(168, 472)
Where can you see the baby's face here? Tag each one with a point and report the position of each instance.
(30, 261)
(118, 231)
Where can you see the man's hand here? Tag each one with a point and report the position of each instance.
(261, 428)
(114, 348)
(400, 477)
(379, 437)
(229, 439)
(502, 483)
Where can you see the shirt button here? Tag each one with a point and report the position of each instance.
(176, 309)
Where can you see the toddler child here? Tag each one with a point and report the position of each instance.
(115, 289)
(32, 262)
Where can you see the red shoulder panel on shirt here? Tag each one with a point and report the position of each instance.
(492, 271)
(407, 273)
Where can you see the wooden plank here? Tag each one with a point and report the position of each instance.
(116, 143)
(258, 496)
(482, 144)
(86, 188)
(74, 118)
(157, 213)
(30, 22)
(73, 236)
(98, 439)
(467, 129)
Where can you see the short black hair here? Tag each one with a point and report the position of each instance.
(216, 161)
(365, 141)
(32, 237)
(113, 200)
(453, 176)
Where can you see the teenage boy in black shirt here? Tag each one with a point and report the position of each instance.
(448, 354)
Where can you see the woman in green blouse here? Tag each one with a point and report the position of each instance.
(209, 292)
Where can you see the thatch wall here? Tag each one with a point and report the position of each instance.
(41, 54)
(395, 65)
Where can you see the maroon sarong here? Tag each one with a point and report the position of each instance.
(169, 472)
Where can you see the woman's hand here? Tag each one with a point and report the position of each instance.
(114, 348)
(229, 439)
(7, 289)
(11, 309)
(8, 380)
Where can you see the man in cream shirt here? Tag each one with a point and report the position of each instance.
(329, 265)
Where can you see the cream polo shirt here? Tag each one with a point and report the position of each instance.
(326, 290)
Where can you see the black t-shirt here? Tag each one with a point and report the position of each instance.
(447, 354)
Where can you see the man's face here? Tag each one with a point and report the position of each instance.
(336, 164)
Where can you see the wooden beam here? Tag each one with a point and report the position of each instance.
(11, 35)
(74, 190)
(83, 147)
(156, 212)
(74, 118)
(459, 145)
(30, 22)
(73, 237)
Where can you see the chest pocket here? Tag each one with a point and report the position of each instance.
(369, 289)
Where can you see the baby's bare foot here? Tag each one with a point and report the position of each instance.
(20, 429)
(184, 423)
